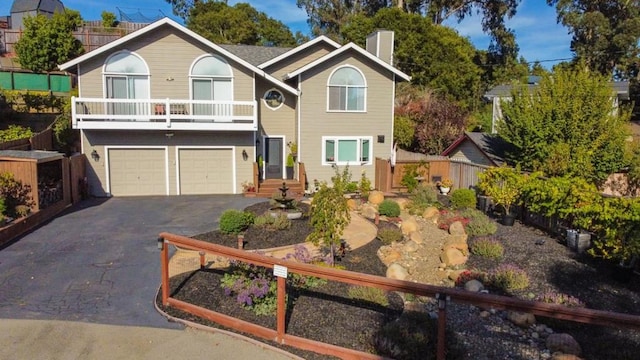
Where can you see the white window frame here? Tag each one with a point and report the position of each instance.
(364, 87)
(264, 99)
(212, 78)
(337, 140)
(128, 76)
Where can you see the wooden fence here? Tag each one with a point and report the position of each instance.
(464, 174)
(91, 38)
(443, 294)
(78, 177)
(40, 141)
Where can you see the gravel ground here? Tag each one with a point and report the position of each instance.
(328, 313)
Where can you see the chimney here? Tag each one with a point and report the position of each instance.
(380, 44)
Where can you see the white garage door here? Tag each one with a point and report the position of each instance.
(206, 171)
(135, 172)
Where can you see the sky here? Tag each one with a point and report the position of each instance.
(539, 36)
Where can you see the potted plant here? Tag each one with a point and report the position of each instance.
(248, 189)
(503, 184)
(290, 163)
(293, 149)
(444, 186)
(260, 166)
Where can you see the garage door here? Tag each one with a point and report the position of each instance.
(134, 172)
(206, 171)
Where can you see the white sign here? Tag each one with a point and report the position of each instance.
(280, 271)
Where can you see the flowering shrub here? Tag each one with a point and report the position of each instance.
(479, 223)
(487, 246)
(302, 255)
(509, 277)
(552, 297)
(254, 286)
(469, 275)
(448, 217)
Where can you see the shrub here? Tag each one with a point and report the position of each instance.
(302, 255)
(16, 196)
(469, 275)
(15, 132)
(488, 247)
(509, 277)
(389, 235)
(254, 286)
(463, 199)
(280, 222)
(366, 293)
(234, 221)
(3, 208)
(351, 187)
(411, 336)
(421, 198)
(448, 217)
(389, 208)
(365, 185)
(411, 173)
(479, 223)
(552, 297)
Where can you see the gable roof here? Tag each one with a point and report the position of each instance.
(620, 87)
(490, 145)
(168, 22)
(49, 6)
(298, 49)
(349, 46)
(254, 54)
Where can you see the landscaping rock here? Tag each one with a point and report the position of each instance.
(563, 343)
(369, 211)
(410, 247)
(473, 286)
(388, 255)
(408, 226)
(456, 228)
(402, 202)
(452, 243)
(453, 274)
(352, 204)
(430, 212)
(523, 320)
(416, 237)
(561, 356)
(376, 197)
(453, 257)
(396, 271)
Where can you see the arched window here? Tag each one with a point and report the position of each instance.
(347, 90)
(211, 79)
(126, 76)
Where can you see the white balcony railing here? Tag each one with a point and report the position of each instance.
(154, 114)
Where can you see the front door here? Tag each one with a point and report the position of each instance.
(273, 158)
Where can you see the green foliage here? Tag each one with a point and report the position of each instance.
(254, 286)
(280, 222)
(364, 186)
(109, 19)
(41, 100)
(463, 198)
(238, 24)
(15, 132)
(47, 42)
(479, 223)
(389, 208)
(330, 212)
(235, 221)
(404, 130)
(421, 198)
(411, 173)
(290, 161)
(3, 208)
(389, 234)
(351, 187)
(509, 277)
(488, 247)
(17, 197)
(411, 336)
(566, 126)
(370, 294)
(551, 297)
(503, 184)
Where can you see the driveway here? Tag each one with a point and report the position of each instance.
(99, 261)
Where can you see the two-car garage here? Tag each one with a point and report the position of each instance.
(139, 171)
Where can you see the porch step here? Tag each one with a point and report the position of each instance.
(270, 186)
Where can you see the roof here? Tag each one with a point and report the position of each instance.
(491, 145)
(620, 87)
(30, 155)
(49, 6)
(254, 54)
(298, 49)
(168, 22)
(404, 155)
(353, 47)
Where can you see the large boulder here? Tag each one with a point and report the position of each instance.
(408, 226)
(430, 212)
(456, 228)
(396, 271)
(473, 286)
(352, 204)
(376, 197)
(456, 243)
(388, 255)
(369, 211)
(402, 202)
(563, 343)
(453, 257)
(416, 237)
(521, 319)
(561, 356)
(410, 247)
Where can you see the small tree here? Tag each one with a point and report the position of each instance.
(330, 212)
(503, 184)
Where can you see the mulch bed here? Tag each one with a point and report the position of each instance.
(328, 314)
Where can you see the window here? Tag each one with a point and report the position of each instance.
(211, 79)
(126, 76)
(347, 150)
(347, 90)
(273, 99)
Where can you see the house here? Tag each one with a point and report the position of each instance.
(21, 9)
(503, 93)
(478, 148)
(164, 111)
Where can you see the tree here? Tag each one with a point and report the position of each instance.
(566, 126)
(605, 33)
(327, 17)
(238, 24)
(47, 42)
(182, 8)
(109, 19)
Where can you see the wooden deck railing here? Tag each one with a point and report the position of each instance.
(443, 294)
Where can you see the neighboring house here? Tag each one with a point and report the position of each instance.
(503, 93)
(25, 8)
(163, 111)
(478, 148)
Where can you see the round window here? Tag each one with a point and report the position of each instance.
(273, 98)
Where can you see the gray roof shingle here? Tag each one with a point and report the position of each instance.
(49, 6)
(253, 54)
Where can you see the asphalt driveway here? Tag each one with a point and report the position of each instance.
(99, 262)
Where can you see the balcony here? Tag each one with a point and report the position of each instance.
(154, 114)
